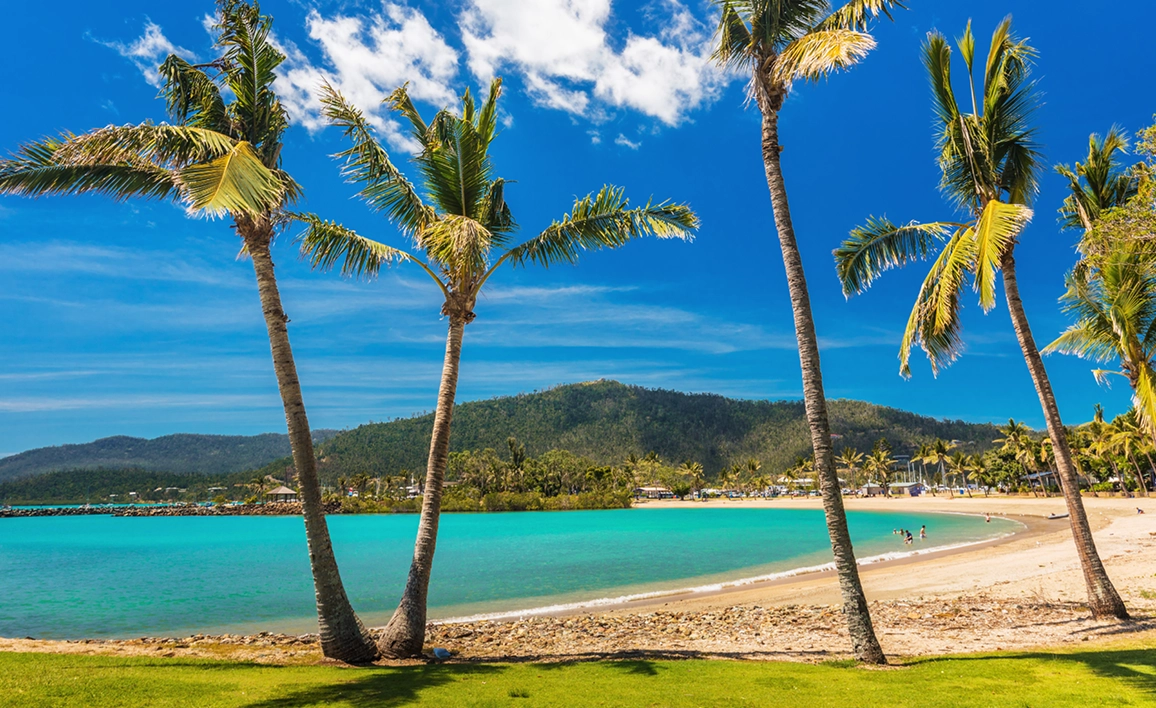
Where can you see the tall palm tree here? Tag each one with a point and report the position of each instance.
(779, 42)
(463, 227)
(990, 164)
(221, 156)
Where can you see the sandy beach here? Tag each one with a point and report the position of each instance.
(1015, 593)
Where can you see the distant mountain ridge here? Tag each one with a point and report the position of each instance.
(182, 453)
(607, 420)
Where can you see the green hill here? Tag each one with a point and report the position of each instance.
(606, 421)
(181, 454)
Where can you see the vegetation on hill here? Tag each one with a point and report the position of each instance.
(106, 485)
(607, 421)
(181, 453)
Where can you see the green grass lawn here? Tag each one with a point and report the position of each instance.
(1119, 675)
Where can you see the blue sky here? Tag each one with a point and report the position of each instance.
(133, 319)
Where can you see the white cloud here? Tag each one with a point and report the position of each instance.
(626, 142)
(366, 58)
(569, 62)
(148, 51)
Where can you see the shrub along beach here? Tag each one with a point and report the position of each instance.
(807, 540)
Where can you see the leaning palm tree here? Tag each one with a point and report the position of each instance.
(219, 157)
(777, 43)
(990, 163)
(464, 228)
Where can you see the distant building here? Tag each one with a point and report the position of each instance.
(911, 489)
(281, 494)
(653, 493)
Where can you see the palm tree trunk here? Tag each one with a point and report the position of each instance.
(1103, 599)
(404, 636)
(863, 640)
(1139, 475)
(342, 635)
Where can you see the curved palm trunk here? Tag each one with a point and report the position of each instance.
(342, 635)
(1103, 599)
(863, 640)
(404, 636)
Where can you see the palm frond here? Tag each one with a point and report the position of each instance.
(237, 182)
(35, 170)
(327, 243)
(881, 245)
(733, 48)
(384, 187)
(858, 14)
(817, 54)
(995, 232)
(603, 220)
(934, 321)
(250, 65)
(400, 101)
(192, 97)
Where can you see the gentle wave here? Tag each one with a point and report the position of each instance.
(714, 587)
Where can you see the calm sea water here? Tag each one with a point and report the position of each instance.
(99, 576)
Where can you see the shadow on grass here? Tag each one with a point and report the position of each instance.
(392, 686)
(1134, 667)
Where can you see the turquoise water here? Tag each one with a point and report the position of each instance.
(99, 576)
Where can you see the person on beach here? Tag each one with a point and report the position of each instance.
(1139, 510)
(987, 518)
(909, 540)
(923, 532)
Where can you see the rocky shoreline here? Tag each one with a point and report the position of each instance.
(809, 633)
(266, 509)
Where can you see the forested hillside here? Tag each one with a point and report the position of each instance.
(606, 421)
(182, 453)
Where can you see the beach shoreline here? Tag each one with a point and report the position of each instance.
(1019, 591)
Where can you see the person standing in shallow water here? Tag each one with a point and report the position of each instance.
(923, 532)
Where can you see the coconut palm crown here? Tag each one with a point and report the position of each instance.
(462, 223)
(220, 156)
(779, 42)
(990, 164)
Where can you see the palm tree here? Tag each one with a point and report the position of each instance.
(961, 465)
(879, 466)
(1017, 440)
(849, 462)
(692, 471)
(217, 158)
(1098, 184)
(937, 453)
(779, 43)
(459, 223)
(990, 163)
(1127, 441)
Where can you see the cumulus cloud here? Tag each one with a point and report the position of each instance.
(148, 51)
(366, 58)
(569, 61)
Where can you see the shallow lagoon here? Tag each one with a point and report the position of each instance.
(99, 576)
